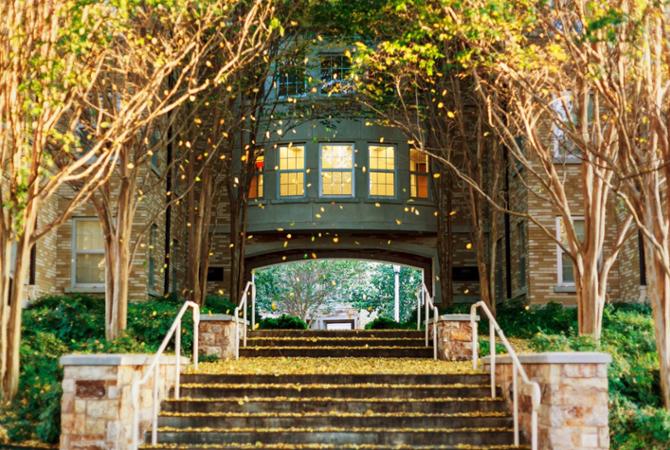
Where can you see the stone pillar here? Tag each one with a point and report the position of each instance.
(96, 406)
(216, 335)
(454, 337)
(573, 412)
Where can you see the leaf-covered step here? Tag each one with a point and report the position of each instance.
(369, 420)
(338, 333)
(338, 352)
(452, 378)
(335, 341)
(327, 446)
(362, 390)
(343, 404)
(340, 435)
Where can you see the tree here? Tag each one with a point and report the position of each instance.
(50, 59)
(628, 56)
(164, 61)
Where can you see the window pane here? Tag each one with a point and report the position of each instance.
(291, 184)
(382, 184)
(256, 186)
(579, 230)
(418, 186)
(292, 158)
(568, 275)
(382, 157)
(418, 161)
(90, 269)
(337, 156)
(89, 235)
(336, 183)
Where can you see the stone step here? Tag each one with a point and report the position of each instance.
(452, 378)
(338, 333)
(340, 435)
(304, 341)
(340, 404)
(391, 420)
(338, 352)
(365, 390)
(331, 446)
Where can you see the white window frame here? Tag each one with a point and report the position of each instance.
(76, 252)
(394, 171)
(557, 104)
(559, 252)
(280, 171)
(353, 170)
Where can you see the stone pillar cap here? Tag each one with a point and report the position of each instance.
(220, 318)
(116, 359)
(555, 358)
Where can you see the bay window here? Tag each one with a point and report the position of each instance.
(337, 170)
(382, 170)
(291, 170)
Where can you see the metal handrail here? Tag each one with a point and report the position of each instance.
(249, 288)
(153, 368)
(423, 296)
(517, 368)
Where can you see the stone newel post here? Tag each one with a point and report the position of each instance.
(454, 337)
(96, 406)
(217, 335)
(573, 411)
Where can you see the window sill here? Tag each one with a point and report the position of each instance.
(565, 289)
(85, 290)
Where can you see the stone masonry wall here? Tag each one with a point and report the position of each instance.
(96, 406)
(573, 413)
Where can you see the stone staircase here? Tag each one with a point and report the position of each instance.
(335, 411)
(335, 344)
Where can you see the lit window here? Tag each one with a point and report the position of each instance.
(566, 275)
(418, 173)
(89, 253)
(382, 170)
(335, 74)
(291, 170)
(337, 170)
(257, 179)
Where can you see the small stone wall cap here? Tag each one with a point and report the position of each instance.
(116, 359)
(220, 318)
(555, 358)
(458, 317)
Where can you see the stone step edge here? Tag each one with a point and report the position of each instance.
(336, 399)
(289, 415)
(334, 430)
(334, 347)
(301, 386)
(329, 446)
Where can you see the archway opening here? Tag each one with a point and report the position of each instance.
(339, 294)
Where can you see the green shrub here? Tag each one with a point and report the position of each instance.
(55, 325)
(283, 322)
(384, 323)
(219, 305)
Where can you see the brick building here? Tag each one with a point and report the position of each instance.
(348, 189)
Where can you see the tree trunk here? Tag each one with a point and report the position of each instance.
(444, 237)
(5, 282)
(589, 299)
(11, 379)
(659, 294)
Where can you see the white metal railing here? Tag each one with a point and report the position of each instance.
(517, 369)
(424, 298)
(249, 291)
(153, 371)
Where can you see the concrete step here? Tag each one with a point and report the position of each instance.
(340, 435)
(452, 378)
(338, 333)
(366, 390)
(338, 352)
(287, 420)
(341, 404)
(304, 341)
